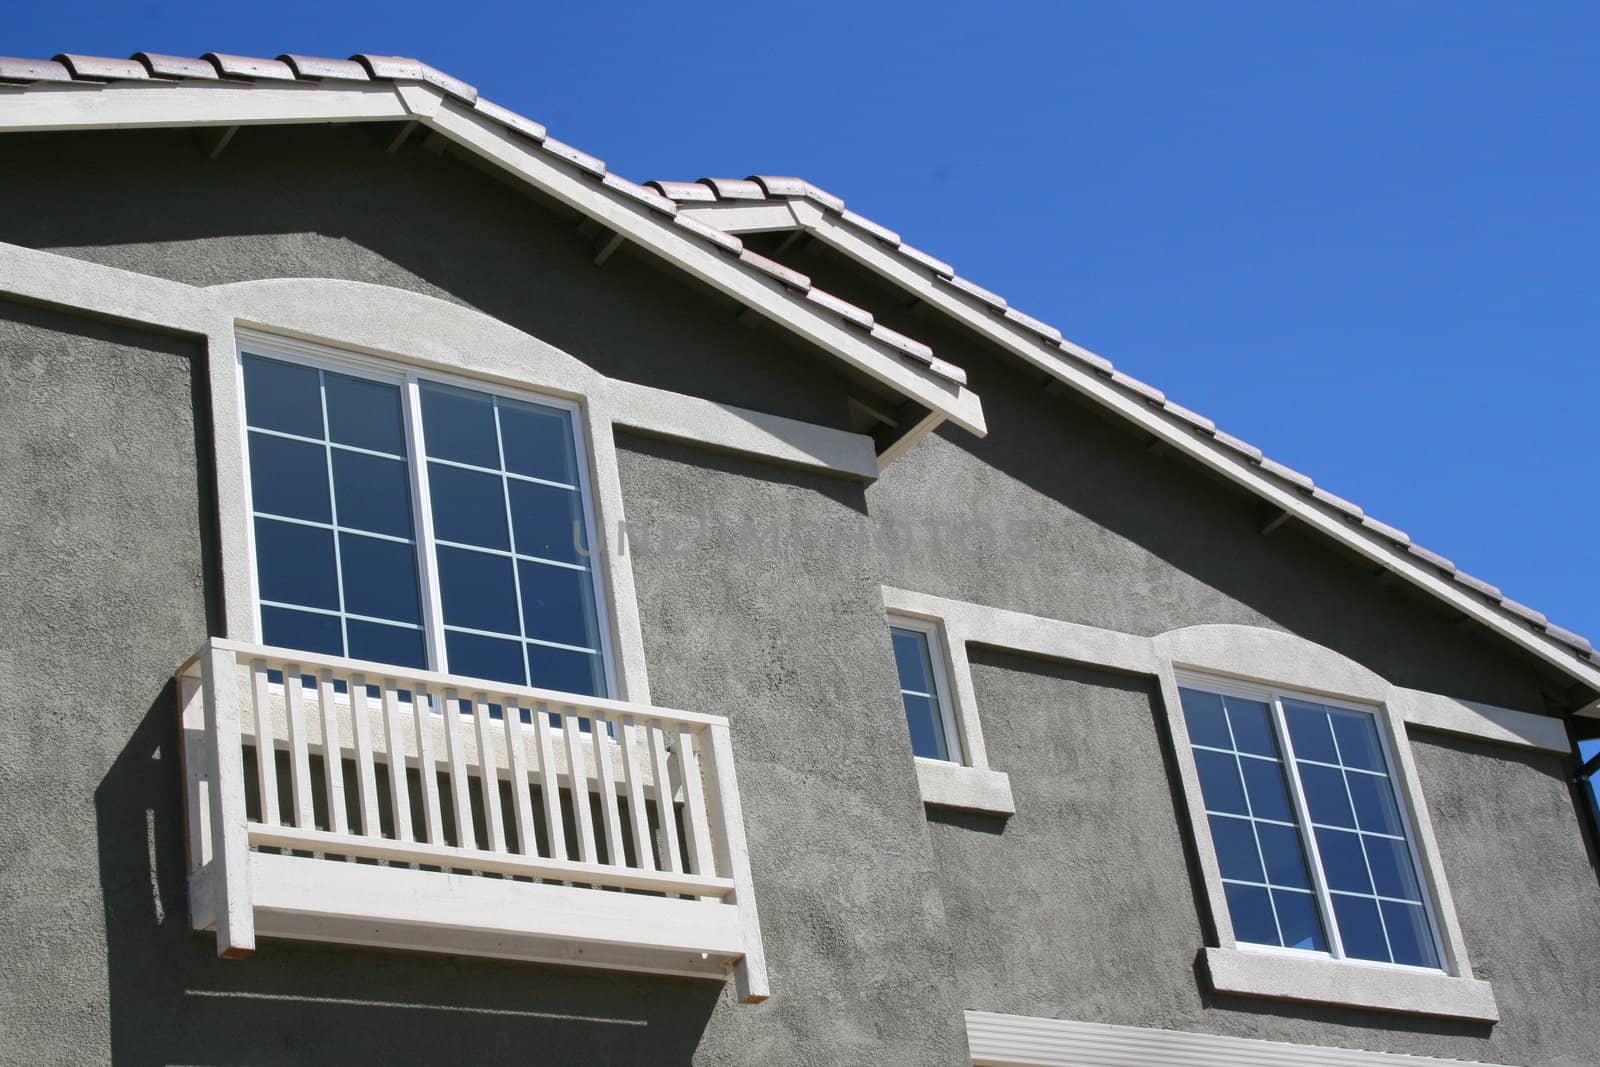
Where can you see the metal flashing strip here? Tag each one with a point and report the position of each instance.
(998, 1040)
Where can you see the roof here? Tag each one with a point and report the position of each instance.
(674, 205)
(451, 97)
(728, 194)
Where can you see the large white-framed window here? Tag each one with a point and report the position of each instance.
(421, 519)
(1315, 851)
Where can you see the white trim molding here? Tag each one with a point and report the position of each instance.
(997, 1040)
(1255, 655)
(971, 784)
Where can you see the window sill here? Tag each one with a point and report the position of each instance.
(1349, 984)
(952, 785)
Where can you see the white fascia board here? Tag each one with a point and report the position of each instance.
(998, 1040)
(1023, 344)
(141, 105)
(768, 297)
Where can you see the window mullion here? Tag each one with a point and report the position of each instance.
(422, 519)
(1308, 836)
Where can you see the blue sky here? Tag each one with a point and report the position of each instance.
(1364, 236)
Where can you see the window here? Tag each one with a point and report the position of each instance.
(420, 522)
(920, 661)
(1314, 851)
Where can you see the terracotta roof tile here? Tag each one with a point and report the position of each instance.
(648, 197)
(726, 241)
(1393, 533)
(321, 68)
(1444, 563)
(792, 278)
(978, 292)
(908, 345)
(99, 68)
(938, 266)
(1524, 612)
(1149, 392)
(692, 192)
(394, 68)
(843, 308)
(1083, 355)
(1562, 634)
(24, 71)
(773, 185)
(1193, 418)
(582, 160)
(1028, 322)
(451, 85)
(861, 222)
(1288, 474)
(1478, 585)
(535, 131)
(161, 65)
(1336, 502)
(249, 68)
(733, 189)
(1244, 448)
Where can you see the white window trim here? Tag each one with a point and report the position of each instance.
(326, 358)
(948, 720)
(966, 782)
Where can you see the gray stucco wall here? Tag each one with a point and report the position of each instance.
(286, 202)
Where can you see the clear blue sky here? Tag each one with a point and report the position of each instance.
(1363, 236)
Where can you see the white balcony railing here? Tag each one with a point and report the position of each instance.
(399, 808)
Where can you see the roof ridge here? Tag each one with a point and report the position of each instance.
(711, 190)
(222, 67)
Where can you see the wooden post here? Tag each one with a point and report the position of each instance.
(230, 851)
(733, 856)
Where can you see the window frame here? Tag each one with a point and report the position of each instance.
(409, 379)
(938, 658)
(1273, 696)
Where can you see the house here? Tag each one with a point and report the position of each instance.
(861, 672)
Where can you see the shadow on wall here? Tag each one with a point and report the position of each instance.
(173, 1001)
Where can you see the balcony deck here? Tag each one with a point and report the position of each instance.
(403, 809)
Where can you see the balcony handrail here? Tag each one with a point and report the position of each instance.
(377, 672)
(644, 801)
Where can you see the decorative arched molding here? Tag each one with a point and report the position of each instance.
(1272, 657)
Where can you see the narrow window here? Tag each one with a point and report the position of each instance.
(369, 490)
(919, 659)
(1314, 850)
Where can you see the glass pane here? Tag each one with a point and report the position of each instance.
(927, 733)
(567, 671)
(387, 644)
(1219, 782)
(557, 604)
(1357, 735)
(1359, 928)
(1325, 795)
(1203, 715)
(1297, 915)
(365, 413)
(458, 424)
(282, 396)
(911, 660)
(547, 522)
(373, 493)
(477, 591)
(1269, 798)
(1409, 935)
(1252, 732)
(294, 564)
(1375, 808)
(380, 578)
(1308, 731)
(289, 478)
(301, 630)
(1343, 863)
(1236, 849)
(485, 657)
(468, 506)
(1285, 855)
(1390, 862)
(538, 441)
(1251, 911)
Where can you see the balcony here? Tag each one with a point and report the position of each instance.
(404, 809)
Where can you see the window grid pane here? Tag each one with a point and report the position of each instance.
(1263, 869)
(919, 693)
(498, 527)
(1348, 817)
(295, 487)
(1369, 866)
